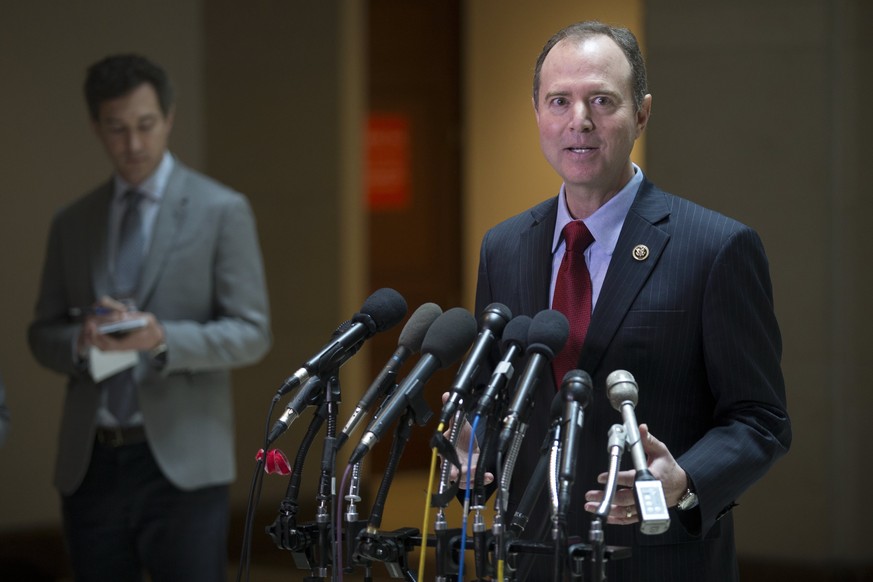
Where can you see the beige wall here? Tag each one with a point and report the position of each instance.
(284, 96)
(760, 112)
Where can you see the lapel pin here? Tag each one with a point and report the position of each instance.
(641, 252)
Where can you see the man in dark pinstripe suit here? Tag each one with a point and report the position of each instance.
(682, 300)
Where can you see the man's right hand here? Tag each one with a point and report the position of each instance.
(462, 448)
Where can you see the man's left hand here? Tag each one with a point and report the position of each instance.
(663, 467)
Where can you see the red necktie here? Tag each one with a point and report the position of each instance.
(573, 296)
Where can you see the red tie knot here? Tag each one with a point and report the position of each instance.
(577, 236)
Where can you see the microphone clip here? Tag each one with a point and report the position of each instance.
(417, 408)
(391, 548)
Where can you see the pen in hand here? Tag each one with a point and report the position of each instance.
(80, 312)
(105, 306)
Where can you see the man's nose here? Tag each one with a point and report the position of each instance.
(134, 141)
(581, 118)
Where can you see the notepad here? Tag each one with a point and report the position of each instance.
(104, 364)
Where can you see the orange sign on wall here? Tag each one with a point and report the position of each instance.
(387, 170)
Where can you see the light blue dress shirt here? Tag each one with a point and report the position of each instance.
(605, 226)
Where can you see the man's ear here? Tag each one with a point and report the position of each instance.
(643, 114)
(170, 117)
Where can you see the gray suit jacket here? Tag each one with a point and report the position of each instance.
(694, 323)
(204, 281)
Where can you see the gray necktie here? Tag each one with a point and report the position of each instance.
(129, 256)
(131, 247)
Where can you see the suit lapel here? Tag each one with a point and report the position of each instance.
(168, 225)
(535, 265)
(626, 275)
(96, 229)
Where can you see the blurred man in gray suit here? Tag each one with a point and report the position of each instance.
(146, 446)
(674, 293)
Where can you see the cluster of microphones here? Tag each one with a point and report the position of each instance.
(504, 359)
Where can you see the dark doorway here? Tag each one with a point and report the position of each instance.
(415, 221)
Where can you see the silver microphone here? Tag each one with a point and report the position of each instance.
(623, 392)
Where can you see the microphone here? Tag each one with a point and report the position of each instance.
(615, 444)
(380, 311)
(623, 392)
(576, 391)
(513, 344)
(547, 335)
(445, 342)
(541, 473)
(408, 343)
(312, 391)
(492, 322)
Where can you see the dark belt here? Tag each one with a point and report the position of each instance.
(120, 436)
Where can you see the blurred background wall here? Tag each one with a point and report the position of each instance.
(757, 113)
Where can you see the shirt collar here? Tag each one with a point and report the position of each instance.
(152, 187)
(606, 222)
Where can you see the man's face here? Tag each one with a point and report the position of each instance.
(586, 115)
(134, 132)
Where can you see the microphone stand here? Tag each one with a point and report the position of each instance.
(500, 381)
(392, 548)
(324, 497)
(531, 493)
(355, 526)
(445, 567)
(558, 521)
(284, 531)
(484, 568)
(529, 498)
(509, 446)
(617, 439)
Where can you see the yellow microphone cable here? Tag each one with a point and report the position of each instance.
(433, 463)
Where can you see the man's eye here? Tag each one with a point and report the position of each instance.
(602, 100)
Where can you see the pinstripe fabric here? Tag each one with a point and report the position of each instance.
(694, 324)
